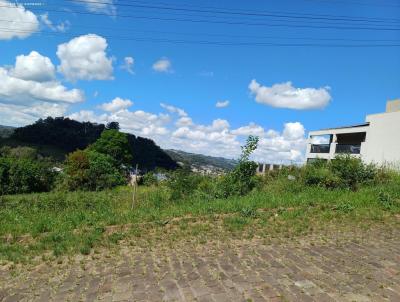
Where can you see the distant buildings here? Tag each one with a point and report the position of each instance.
(375, 141)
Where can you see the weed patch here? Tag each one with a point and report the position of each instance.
(236, 223)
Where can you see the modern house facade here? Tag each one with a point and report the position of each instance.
(375, 141)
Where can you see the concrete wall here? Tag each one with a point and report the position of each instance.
(393, 106)
(334, 133)
(382, 143)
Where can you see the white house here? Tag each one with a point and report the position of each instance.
(375, 141)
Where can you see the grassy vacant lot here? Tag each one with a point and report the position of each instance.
(47, 225)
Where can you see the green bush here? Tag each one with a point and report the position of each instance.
(242, 179)
(92, 171)
(149, 179)
(344, 171)
(321, 176)
(25, 176)
(182, 183)
(352, 171)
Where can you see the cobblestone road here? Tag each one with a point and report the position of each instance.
(310, 269)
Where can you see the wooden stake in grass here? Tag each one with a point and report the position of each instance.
(134, 185)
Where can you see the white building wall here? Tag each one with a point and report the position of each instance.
(382, 143)
(334, 132)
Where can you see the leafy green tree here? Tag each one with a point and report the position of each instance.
(249, 148)
(92, 171)
(115, 144)
(112, 125)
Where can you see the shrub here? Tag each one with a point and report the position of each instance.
(149, 179)
(25, 176)
(241, 180)
(183, 183)
(386, 200)
(206, 188)
(91, 170)
(344, 171)
(352, 171)
(321, 176)
(385, 175)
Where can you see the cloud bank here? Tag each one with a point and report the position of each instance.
(176, 129)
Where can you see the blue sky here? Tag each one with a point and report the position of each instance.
(331, 83)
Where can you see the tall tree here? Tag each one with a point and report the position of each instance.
(115, 144)
(112, 125)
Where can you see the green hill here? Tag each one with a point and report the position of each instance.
(200, 161)
(6, 131)
(56, 137)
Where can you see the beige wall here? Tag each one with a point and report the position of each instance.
(382, 143)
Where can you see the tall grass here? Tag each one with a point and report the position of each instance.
(59, 223)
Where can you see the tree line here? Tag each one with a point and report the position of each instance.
(97, 157)
(70, 135)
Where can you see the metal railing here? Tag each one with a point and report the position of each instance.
(348, 148)
(320, 148)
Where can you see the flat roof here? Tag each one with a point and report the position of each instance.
(344, 127)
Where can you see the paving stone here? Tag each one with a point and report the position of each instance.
(328, 270)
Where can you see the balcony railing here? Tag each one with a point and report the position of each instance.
(320, 148)
(348, 148)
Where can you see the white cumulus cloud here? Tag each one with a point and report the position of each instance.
(184, 121)
(85, 58)
(29, 90)
(33, 67)
(16, 21)
(162, 65)
(293, 131)
(250, 129)
(20, 91)
(17, 115)
(137, 122)
(116, 104)
(222, 104)
(128, 64)
(286, 96)
(217, 138)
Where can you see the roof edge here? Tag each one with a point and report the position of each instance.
(344, 127)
